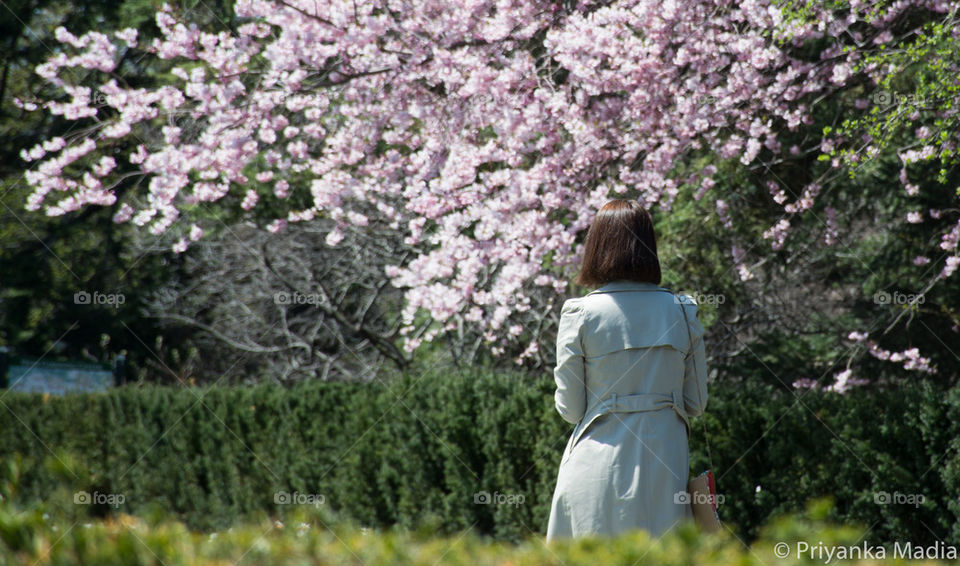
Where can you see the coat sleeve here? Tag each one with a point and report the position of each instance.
(695, 366)
(570, 397)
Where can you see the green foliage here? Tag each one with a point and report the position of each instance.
(45, 261)
(415, 454)
(316, 536)
(916, 85)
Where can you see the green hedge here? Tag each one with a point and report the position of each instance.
(313, 536)
(415, 452)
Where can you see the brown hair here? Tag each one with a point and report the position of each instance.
(620, 245)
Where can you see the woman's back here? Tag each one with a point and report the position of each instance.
(629, 371)
(634, 339)
(630, 338)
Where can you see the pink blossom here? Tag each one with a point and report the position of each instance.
(805, 383)
(334, 237)
(281, 189)
(504, 149)
(128, 36)
(832, 231)
(250, 200)
(950, 267)
(844, 380)
(124, 214)
(777, 233)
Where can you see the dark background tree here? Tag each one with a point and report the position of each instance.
(45, 261)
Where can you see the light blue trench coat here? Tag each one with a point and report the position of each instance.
(630, 376)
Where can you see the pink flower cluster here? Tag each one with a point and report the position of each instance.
(911, 358)
(440, 119)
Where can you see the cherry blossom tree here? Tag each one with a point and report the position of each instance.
(489, 132)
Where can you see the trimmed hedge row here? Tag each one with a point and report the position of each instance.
(468, 450)
(309, 536)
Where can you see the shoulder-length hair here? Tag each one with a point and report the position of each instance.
(620, 245)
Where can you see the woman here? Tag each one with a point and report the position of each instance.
(630, 371)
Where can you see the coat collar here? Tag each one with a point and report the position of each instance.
(625, 285)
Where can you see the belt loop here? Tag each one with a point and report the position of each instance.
(614, 406)
(679, 407)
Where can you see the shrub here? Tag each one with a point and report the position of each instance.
(421, 452)
(307, 535)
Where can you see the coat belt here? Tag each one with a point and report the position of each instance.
(630, 404)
